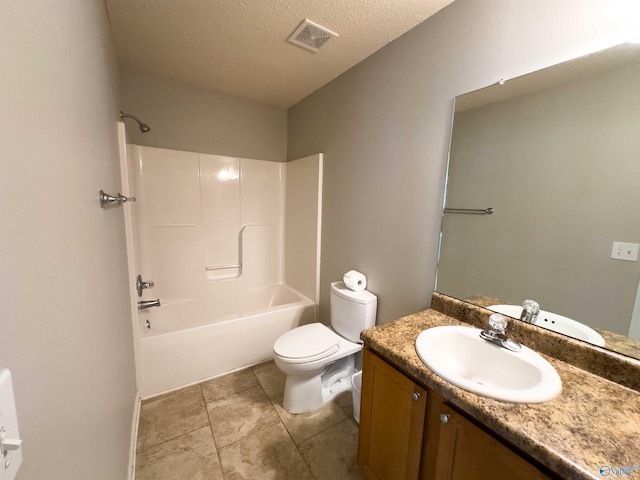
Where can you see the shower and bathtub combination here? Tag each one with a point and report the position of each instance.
(230, 248)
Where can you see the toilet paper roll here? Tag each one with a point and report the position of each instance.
(355, 281)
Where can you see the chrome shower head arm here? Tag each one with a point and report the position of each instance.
(144, 128)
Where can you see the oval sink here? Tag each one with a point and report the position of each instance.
(555, 323)
(461, 357)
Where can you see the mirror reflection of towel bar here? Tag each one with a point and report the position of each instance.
(471, 211)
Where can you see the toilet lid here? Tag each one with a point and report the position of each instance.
(307, 343)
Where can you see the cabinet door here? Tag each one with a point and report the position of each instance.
(465, 452)
(391, 422)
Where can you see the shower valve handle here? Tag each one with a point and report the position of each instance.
(142, 285)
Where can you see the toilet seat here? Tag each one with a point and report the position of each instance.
(307, 343)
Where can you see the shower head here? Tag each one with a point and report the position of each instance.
(144, 128)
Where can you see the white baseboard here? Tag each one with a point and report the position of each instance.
(134, 437)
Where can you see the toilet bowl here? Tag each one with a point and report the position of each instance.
(319, 362)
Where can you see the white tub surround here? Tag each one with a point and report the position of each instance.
(209, 231)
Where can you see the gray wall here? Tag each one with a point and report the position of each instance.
(561, 168)
(65, 326)
(194, 119)
(384, 129)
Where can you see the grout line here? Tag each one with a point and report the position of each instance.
(183, 433)
(218, 447)
(213, 437)
(272, 403)
(139, 451)
(280, 421)
(304, 460)
(297, 447)
(327, 427)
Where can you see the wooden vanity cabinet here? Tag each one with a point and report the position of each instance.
(392, 418)
(464, 451)
(409, 433)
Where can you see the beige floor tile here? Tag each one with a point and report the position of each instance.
(175, 440)
(228, 385)
(345, 402)
(271, 379)
(268, 455)
(170, 416)
(332, 454)
(305, 425)
(240, 415)
(192, 456)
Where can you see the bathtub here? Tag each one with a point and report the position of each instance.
(178, 353)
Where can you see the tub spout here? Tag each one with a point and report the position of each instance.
(144, 304)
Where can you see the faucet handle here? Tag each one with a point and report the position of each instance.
(530, 311)
(531, 306)
(497, 336)
(498, 323)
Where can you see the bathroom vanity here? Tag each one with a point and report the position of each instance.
(414, 424)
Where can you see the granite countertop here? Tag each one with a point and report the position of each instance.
(594, 422)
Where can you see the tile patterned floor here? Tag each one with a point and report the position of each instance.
(235, 428)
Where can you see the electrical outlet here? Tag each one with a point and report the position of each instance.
(625, 251)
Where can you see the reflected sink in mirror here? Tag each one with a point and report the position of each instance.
(555, 323)
(461, 357)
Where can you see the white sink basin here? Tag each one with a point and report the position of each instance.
(461, 357)
(556, 323)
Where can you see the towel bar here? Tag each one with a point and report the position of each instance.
(471, 211)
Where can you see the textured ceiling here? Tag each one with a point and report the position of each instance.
(239, 47)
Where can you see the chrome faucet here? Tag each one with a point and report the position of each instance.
(530, 311)
(496, 334)
(144, 304)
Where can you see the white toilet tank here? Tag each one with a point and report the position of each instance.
(352, 312)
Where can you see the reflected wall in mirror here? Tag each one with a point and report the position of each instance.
(556, 153)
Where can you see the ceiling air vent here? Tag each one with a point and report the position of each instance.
(311, 36)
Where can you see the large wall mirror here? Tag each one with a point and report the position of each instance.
(556, 154)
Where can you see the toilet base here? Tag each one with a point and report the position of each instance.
(309, 392)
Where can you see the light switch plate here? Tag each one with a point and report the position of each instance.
(625, 251)
(12, 459)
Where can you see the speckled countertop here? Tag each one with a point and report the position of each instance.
(594, 422)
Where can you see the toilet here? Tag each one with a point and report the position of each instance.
(318, 362)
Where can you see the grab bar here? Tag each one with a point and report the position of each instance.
(222, 267)
(471, 211)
